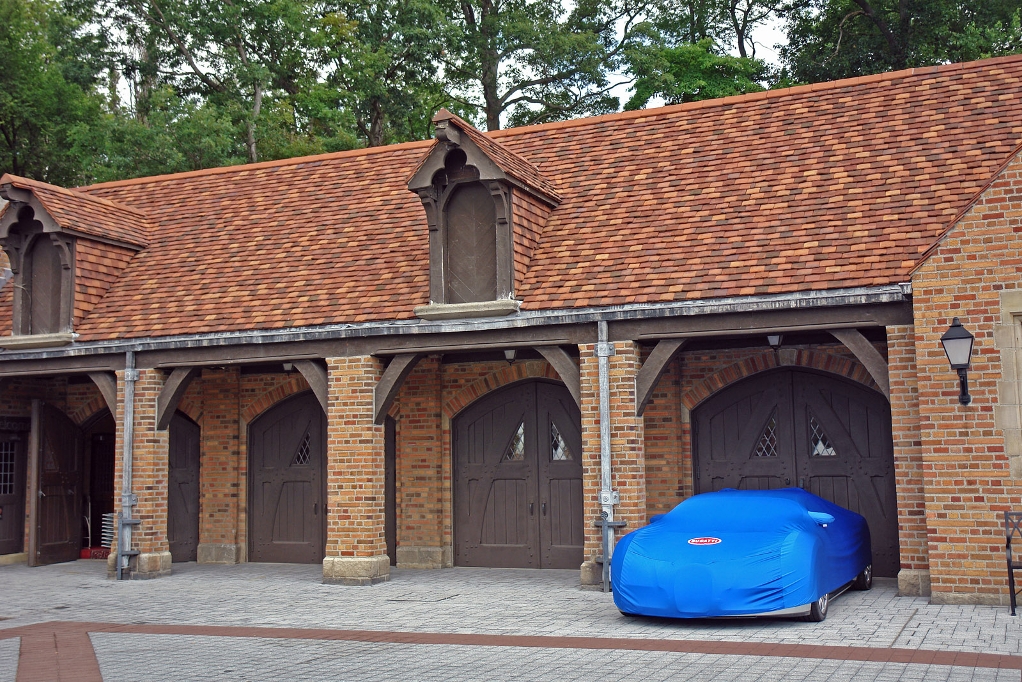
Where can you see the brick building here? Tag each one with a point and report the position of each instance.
(401, 355)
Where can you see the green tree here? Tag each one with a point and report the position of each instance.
(538, 60)
(44, 95)
(830, 39)
(688, 73)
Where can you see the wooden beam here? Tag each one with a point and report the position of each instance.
(566, 368)
(173, 390)
(315, 374)
(868, 355)
(390, 383)
(106, 382)
(651, 371)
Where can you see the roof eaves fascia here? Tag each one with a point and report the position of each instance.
(895, 293)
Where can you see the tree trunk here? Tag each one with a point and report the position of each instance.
(253, 153)
(375, 137)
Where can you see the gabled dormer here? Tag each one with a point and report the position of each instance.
(473, 189)
(64, 249)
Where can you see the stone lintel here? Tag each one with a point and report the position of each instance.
(456, 311)
(356, 570)
(214, 553)
(913, 582)
(425, 557)
(151, 565)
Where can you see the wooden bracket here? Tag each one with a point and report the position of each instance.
(171, 394)
(390, 383)
(868, 355)
(106, 382)
(315, 374)
(649, 374)
(566, 368)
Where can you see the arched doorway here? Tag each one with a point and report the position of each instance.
(183, 489)
(287, 475)
(796, 427)
(518, 479)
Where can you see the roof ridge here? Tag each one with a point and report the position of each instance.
(242, 167)
(74, 193)
(754, 96)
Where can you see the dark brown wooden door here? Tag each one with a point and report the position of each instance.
(12, 493)
(288, 482)
(518, 479)
(59, 508)
(183, 489)
(794, 427)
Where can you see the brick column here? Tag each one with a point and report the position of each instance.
(914, 576)
(628, 460)
(149, 476)
(420, 463)
(356, 547)
(221, 458)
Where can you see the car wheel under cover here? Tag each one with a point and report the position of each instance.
(864, 580)
(818, 610)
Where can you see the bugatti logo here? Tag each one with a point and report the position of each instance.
(704, 541)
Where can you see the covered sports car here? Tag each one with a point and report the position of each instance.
(742, 553)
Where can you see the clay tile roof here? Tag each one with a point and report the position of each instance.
(85, 214)
(835, 185)
(508, 161)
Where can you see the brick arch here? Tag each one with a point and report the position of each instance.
(295, 384)
(88, 410)
(519, 371)
(191, 409)
(809, 359)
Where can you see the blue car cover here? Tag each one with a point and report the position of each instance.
(739, 552)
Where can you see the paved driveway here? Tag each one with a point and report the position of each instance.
(273, 621)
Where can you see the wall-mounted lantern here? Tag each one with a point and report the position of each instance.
(775, 340)
(509, 355)
(957, 342)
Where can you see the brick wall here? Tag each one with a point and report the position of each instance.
(666, 442)
(968, 479)
(220, 456)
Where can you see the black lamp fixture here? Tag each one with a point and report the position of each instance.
(957, 342)
(775, 340)
(509, 355)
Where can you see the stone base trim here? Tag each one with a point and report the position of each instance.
(356, 570)
(11, 559)
(913, 582)
(212, 553)
(591, 573)
(151, 565)
(411, 556)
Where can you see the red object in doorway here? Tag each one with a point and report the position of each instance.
(94, 553)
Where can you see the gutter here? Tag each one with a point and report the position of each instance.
(125, 522)
(894, 293)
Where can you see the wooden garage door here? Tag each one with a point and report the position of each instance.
(59, 486)
(794, 427)
(288, 475)
(518, 479)
(183, 489)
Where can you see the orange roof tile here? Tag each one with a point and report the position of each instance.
(834, 185)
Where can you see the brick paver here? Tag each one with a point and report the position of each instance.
(472, 623)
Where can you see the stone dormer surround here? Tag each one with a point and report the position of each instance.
(468, 177)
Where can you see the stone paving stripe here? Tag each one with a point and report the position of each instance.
(66, 648)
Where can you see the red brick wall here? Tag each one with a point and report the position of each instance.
(968, 482)
(666, 439)
(221, 456)
(908, 458)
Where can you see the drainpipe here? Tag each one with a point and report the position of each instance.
(125, 522)
(608, 496)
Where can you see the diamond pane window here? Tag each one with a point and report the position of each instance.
(7, 468)
(516, 449)
(302, 455)
(767, 445)
(559, 450)
(819, 442)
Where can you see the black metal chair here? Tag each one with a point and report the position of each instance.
(1013, 533)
